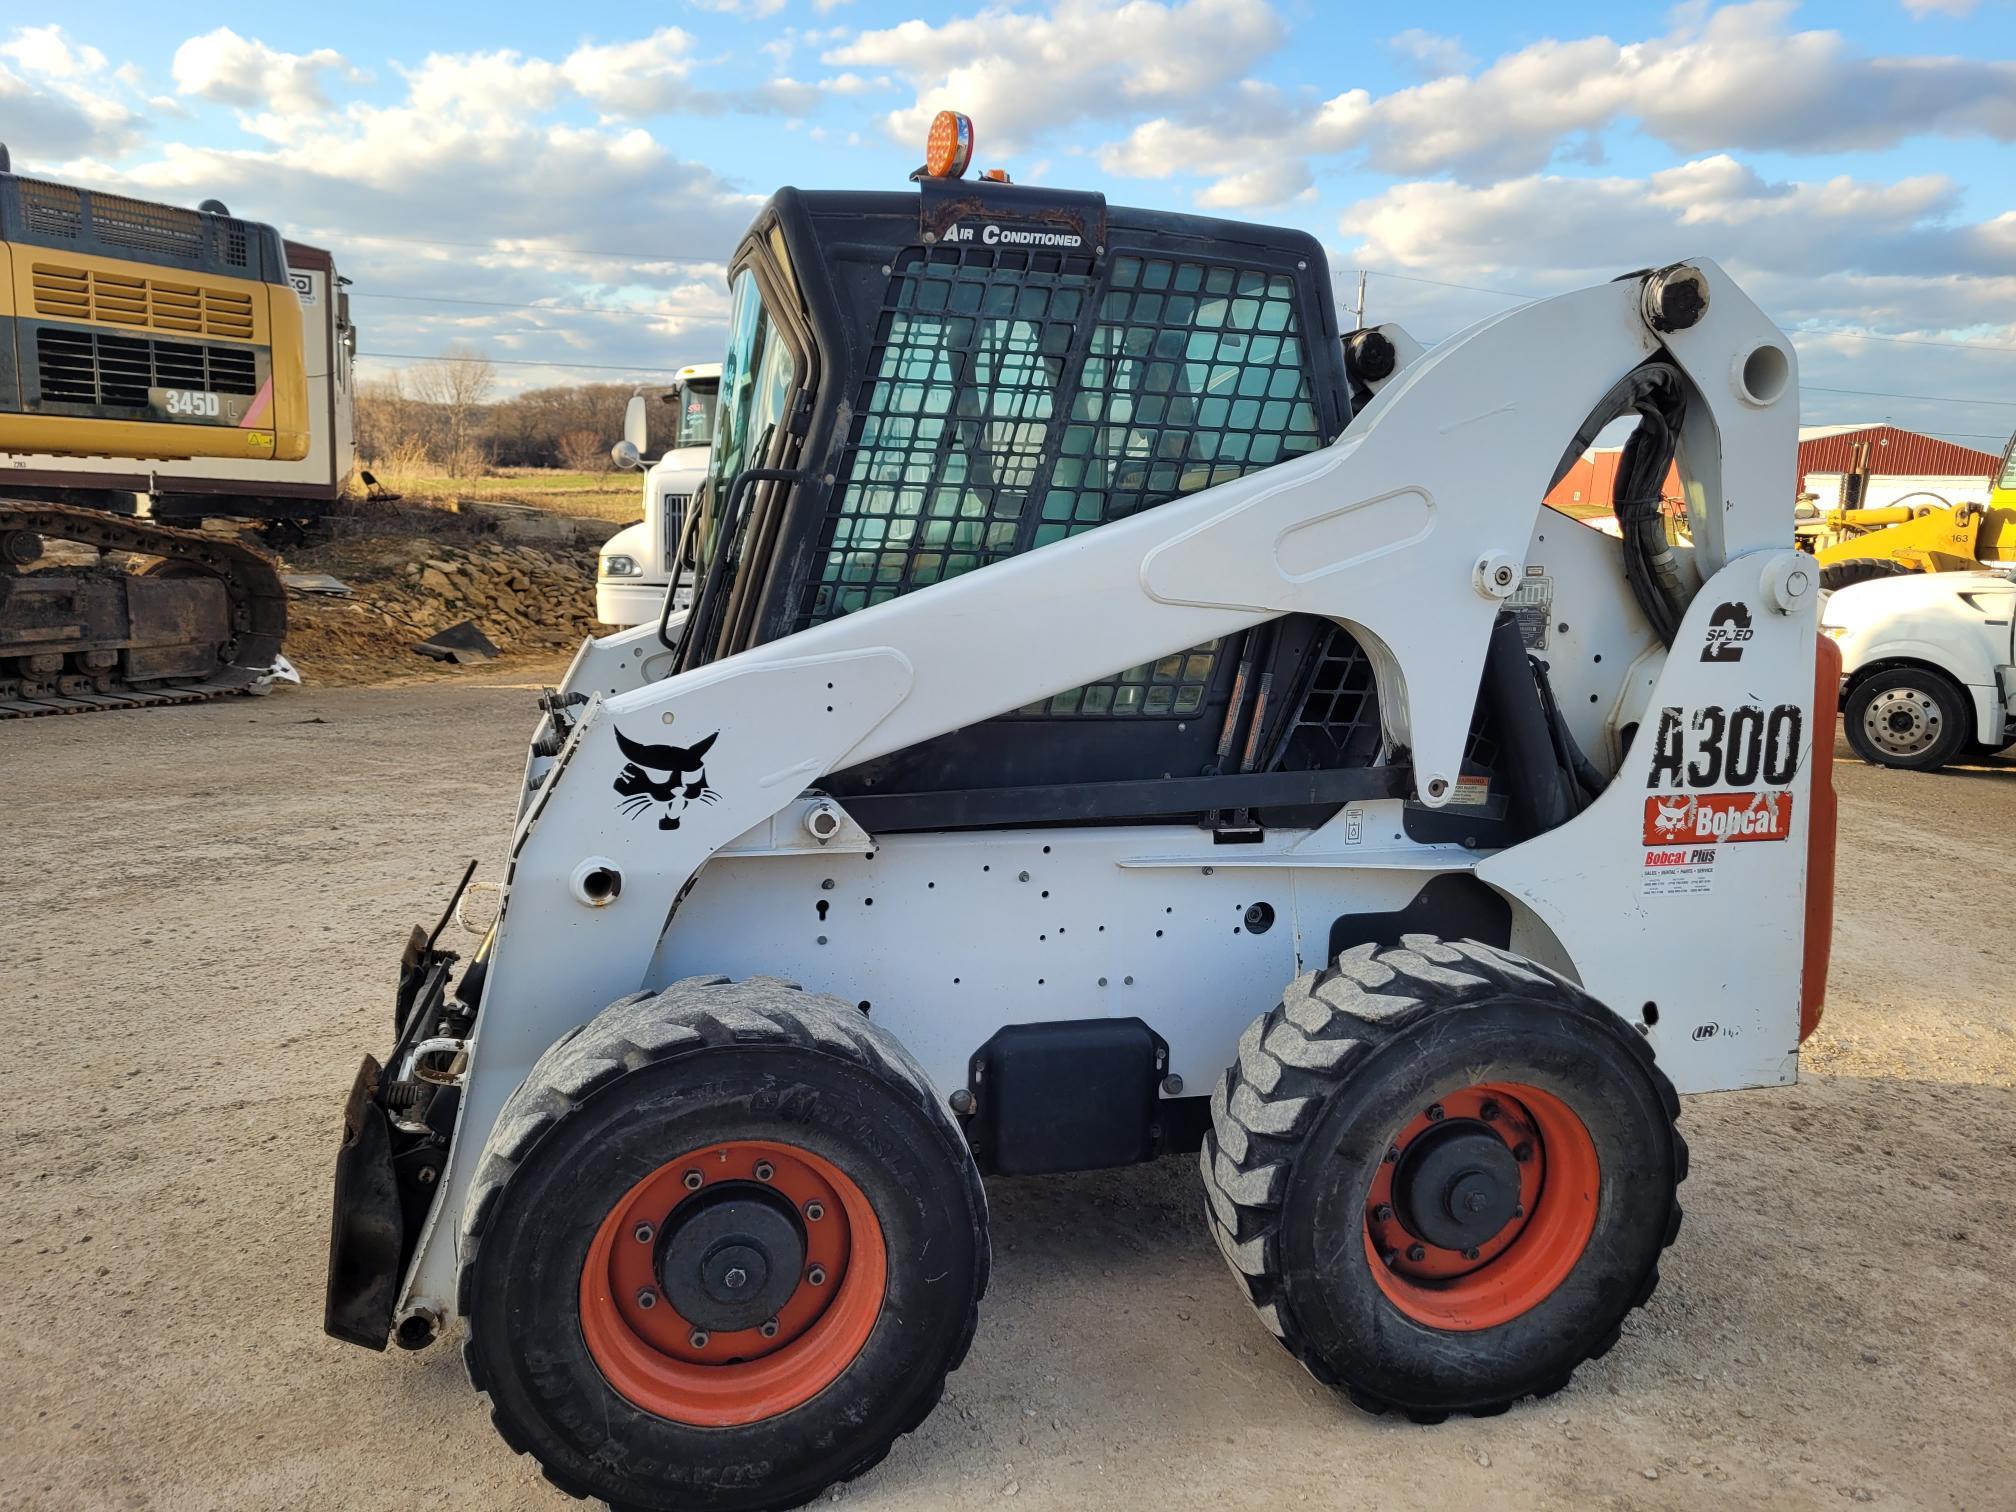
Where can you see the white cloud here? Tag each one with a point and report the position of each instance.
(45, 50)
(1888, 256)
(56, 102)
(633, 79)
(1739, 79)
(1021, 75)
(1431, 53)
(221, 65)
(755, 9)
(1920, 9)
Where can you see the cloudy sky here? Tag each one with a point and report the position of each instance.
(557, 185)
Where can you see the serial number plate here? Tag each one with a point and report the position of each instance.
(200, 405)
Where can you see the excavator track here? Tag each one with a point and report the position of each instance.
(87, 640)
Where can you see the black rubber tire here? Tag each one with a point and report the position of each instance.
(1956, 716)
(1302, 1121)
(707, 1060)
(1838, 575)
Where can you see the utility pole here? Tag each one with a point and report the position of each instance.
(1361, 301)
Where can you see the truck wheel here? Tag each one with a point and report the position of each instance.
(1443, 1175)
(1911, 718)
(721, 1250)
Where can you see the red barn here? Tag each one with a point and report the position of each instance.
(1888, 450)
(1590, 485)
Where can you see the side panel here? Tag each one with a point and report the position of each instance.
(1677, 893)
(947, 938)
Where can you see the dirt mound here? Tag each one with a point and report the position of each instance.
(530, 599)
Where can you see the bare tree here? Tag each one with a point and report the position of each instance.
(456, 385)
(582, 451)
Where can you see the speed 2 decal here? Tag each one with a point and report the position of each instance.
(1728, 630)
(1716, 747)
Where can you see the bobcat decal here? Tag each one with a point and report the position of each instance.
(668, 775)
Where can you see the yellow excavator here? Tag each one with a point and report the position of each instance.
(155, 366)
(1923, 532)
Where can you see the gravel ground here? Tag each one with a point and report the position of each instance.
(206, 908)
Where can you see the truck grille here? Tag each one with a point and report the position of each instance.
(161, 304)
(103, 369)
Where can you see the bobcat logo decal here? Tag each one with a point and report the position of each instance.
(668, 775)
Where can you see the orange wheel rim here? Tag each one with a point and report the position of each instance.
(671, 1366)
(1506, 1273)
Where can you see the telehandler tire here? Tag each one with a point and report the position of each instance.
(721, 1250)
(1909, 718)
(1835, 576)
(1443, 1175)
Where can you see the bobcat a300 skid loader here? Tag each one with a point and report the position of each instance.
(1117, 716)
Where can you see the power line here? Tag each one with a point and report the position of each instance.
(1955, 346)
(496, 246)
(1442, 283)
(1821, 388)
(505, 304)
(593, 367)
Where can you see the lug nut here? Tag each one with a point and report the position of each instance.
(693, 1180)
(736, 1277)
(1489, 1111)
(1392, 1258)
(815, 1211)
(1392, 1153)
(642, 1233)
(1382, 1213)
(1435, 1113)
(769, 1330)
(1522, 1152)
(697, 1339)
(816, 1275)
(1416, 1253)
(1519, 1211)
(647, 1299)
(1471, 1253)
(765, 1170)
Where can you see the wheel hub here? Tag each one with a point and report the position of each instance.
(732, 1258)
(1901, 721)
(1457, 1185)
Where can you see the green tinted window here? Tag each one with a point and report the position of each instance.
(1015, 399)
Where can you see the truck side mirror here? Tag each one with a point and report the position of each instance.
(636, 424)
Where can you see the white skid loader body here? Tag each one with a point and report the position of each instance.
(1676, 897)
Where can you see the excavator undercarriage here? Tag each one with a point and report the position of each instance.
(98, 611)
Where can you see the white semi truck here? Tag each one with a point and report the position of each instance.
(635, 570)
(1928, 666)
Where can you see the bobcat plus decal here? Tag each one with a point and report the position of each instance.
(665, 777)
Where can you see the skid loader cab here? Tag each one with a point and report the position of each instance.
(972, 371)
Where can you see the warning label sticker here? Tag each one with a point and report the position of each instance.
(1472, 791)
(1681, 818)
(1674, 870)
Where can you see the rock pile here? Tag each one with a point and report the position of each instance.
(520, 595)
(527, 599)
